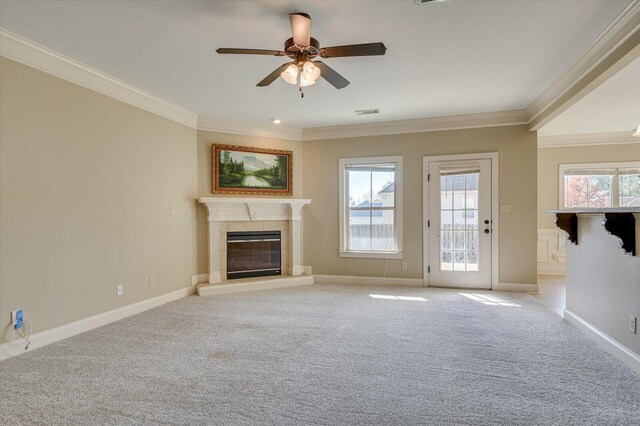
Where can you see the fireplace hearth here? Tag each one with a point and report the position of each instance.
(253, 254)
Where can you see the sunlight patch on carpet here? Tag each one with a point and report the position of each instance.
(488, 300)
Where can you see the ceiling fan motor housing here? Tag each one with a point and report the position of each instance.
(292, 49)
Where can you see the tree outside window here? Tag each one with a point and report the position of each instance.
(611, 186)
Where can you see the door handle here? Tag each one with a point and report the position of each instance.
(486, 231)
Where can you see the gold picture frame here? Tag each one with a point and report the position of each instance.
(251, 170)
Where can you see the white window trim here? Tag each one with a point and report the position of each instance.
(344, 220)
(615, 196)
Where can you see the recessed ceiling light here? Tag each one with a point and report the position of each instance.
(276, 120)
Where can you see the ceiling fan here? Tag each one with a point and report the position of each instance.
(302, 48)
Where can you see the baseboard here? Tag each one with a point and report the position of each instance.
(547, 269)
(254, 285)
(200, 278)
(624, 354)
(525, 288)
(43, 338)
(307, 270)
(356, 280)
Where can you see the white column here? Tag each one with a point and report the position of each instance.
(214, 252)
(295, 239)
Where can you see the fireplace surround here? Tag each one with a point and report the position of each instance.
(226, 214)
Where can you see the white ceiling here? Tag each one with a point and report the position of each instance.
(451, 58)
(612, 107)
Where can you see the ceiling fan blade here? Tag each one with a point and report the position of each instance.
(226, 50)
(331, 75)
(274, 75)
(300, 28)
(367, 49)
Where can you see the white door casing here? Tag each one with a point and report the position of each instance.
(460, 223)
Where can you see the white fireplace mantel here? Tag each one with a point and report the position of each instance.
(239, 209)
(227, 209)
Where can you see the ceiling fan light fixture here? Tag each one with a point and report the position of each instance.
(311, 71)
(290, 75)
(637, 133)
(306, 80)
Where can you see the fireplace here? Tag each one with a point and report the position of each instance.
(254, 214)
(253, 254)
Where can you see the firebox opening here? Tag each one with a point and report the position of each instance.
(253, 254)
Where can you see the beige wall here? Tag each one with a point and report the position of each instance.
(517, 148)
(549, 160)
(86, 183)
(205, 140)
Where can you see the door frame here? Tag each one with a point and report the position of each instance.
(495, 225)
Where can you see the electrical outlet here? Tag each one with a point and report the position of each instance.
(505, 208)
(152, 282)
(172, 209)
(17, 318)
(633, 324)
(119, 289)
(404, 266)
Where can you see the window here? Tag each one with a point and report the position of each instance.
(600, 185)
(371, 207)
(459, 231)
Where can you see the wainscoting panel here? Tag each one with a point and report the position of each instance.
(551, 251)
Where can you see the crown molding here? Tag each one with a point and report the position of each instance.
(19, 49)
(620, 30)
(213, 124)
(433, 124)
(560, 141)
(616, 33)
(455, 122)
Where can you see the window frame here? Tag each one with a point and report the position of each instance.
(343, 193)
(615, 184)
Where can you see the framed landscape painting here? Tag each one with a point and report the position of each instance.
(246, 170)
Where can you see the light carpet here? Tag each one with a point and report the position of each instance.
(326, 354)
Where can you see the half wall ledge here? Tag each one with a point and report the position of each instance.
(619, 222)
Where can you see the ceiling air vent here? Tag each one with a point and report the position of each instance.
(368, 111)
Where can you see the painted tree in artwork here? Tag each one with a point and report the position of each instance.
(231, 172)
(282, 168)
(225, 163)
(277, 173)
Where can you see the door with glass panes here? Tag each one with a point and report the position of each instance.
(460, 223)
